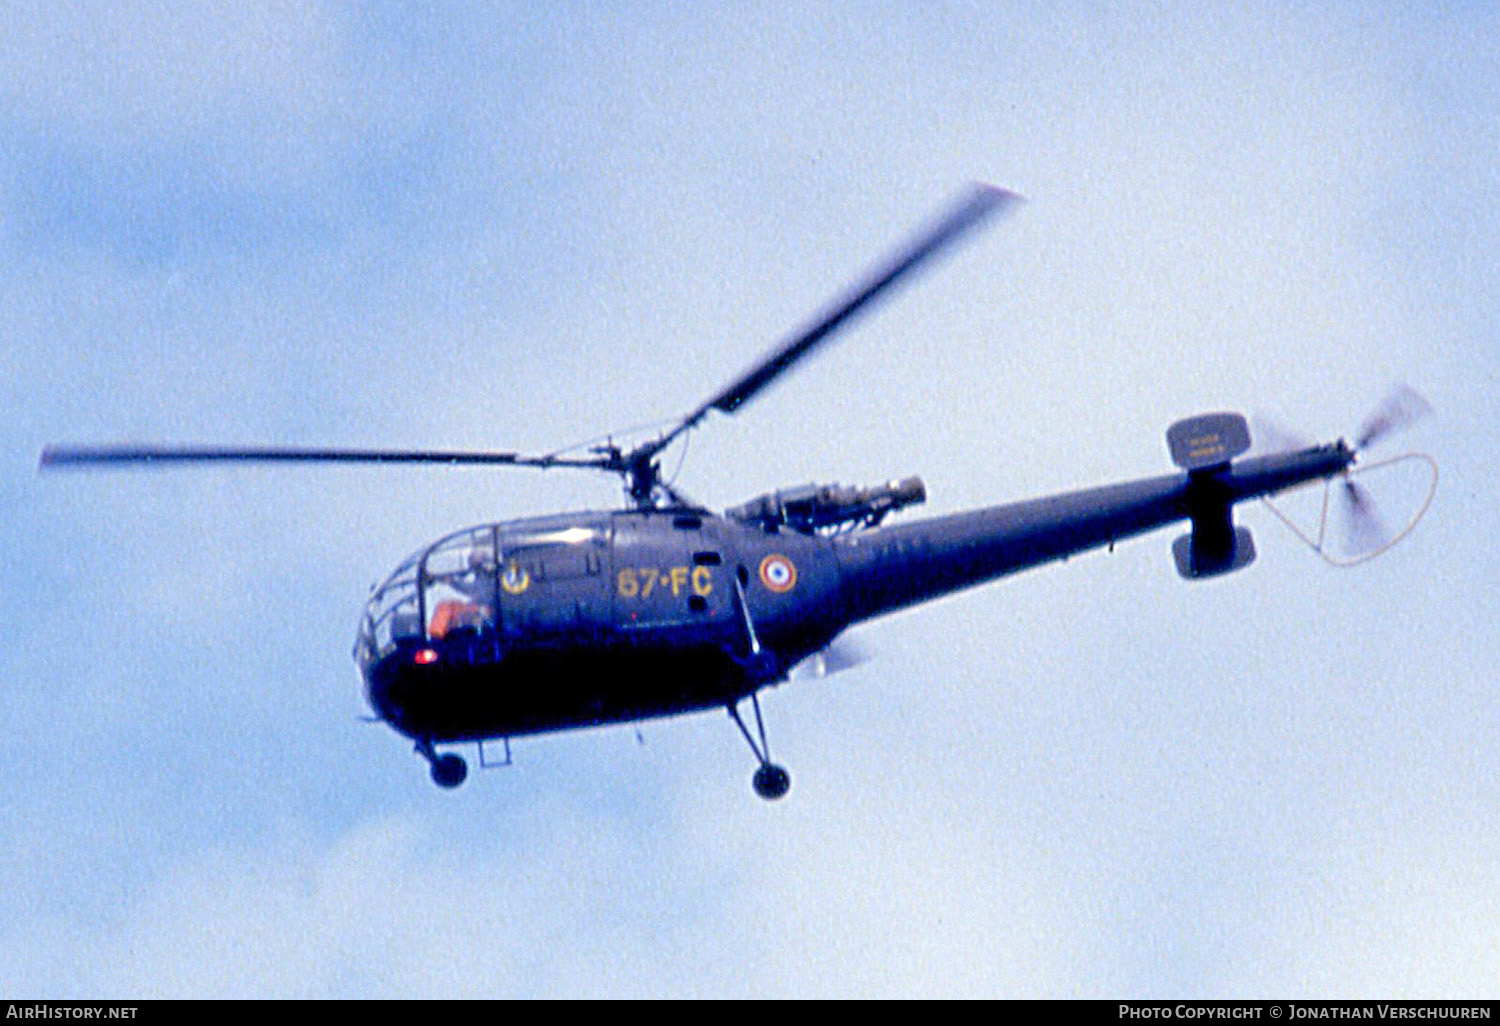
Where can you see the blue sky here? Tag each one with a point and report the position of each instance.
(521, 226)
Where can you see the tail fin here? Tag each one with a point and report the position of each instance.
(1204, 446)
(1209, 440)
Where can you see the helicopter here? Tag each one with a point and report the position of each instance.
(665, 607)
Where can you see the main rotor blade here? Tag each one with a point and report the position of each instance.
(978, 203)
(637, 464)
(126, 455)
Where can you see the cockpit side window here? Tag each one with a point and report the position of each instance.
(558, 555)
(459, 584)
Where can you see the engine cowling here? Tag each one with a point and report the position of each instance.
(812, 508)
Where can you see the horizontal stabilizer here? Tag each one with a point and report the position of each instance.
(1210, 440)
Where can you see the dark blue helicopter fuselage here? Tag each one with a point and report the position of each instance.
(598, 618)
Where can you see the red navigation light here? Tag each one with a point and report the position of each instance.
(424, 656)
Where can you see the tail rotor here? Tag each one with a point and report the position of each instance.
(1402, 408)
(1364, 532)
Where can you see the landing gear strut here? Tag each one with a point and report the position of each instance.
(770, 781)
(448, 771)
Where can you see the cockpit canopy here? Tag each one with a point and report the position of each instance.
(457, 585)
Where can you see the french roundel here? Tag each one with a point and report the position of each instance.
(778, 573)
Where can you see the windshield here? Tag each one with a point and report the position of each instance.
(448, 586)
(458, 589)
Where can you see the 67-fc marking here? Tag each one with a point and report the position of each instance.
(641, 581)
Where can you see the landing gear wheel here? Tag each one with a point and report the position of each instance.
(449, 771)
(771, 781)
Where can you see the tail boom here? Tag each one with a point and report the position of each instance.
(891, 568)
